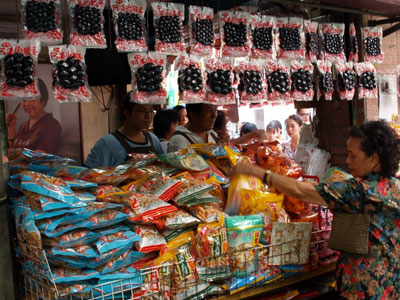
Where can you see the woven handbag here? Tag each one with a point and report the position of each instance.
(350, 232)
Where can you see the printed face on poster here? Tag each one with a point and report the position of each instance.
(44, 124)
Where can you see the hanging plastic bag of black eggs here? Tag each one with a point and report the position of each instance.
(234, 33)
(69, 74)
(263, 37)
(291, 39)
(352, 44)
(87, 23)
(190, 79)
(168, 23)
(325, 86)
(312, 40)
(302, 80)
(372, 41)
(367, 80)
(279, 82)
(332, 47)
(42, 20)
(252, 85)
(148, 77)
(202, 37)
(129, 25)
(18, 76)
(220, 81)
(346, 80)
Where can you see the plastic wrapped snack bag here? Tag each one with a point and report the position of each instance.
(291, 40)
(352, 44)
(18, 61)
(325, 80)
(42, 20)
(372, 42)
(346, 80)
(279, 81)
(202, 37)
(263, 36)
(367, 80)
(252, 87)
(332, 35)
(312, 40)
(69, 74)
(302, 78)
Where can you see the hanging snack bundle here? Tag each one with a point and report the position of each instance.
(302, 76)
(168, 23)
(42, 20)
(346, 80)
(325, 80)
(312, 40)
(372, 41)
(87, 23)
(279, 82)
(129, 25)
(234, 32)
(202, 38)
(148, 77)
(190, 79)
(252, 84)
(291, 40)
(332, 35)
(352, 45)
(18, 78)
(263, 36)
(367, 80)
(220, 81)
(69, 74)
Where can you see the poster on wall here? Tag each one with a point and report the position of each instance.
(388, 105)
(44, 124)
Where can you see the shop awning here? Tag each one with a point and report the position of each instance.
(390, 7)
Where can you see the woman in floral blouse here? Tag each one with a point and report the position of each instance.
(373, 160)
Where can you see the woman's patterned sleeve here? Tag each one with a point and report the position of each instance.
(340, 196)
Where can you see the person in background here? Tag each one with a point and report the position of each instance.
(198, 130)
(293, 128)
(373, 158)
(247, 127)
(181, 110)
(164, 123)
(131, 137)
(274, 131)
(304, 114)
(41, 132)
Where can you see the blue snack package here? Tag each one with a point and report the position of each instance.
(27, 232)
(81, 184)
(67, 262)
(67, 171)
(122, 273)
(64, 275)
(40, 215)
(125, 259)
(85, 196)
(72, 239)
(84, 251)
(112, 229)
(116, 240)
(102, 259)
(49, 204)
(105, 289)
(48, 186)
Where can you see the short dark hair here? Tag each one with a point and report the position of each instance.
(178, 108)
(163, 120)
(379, 137)
(274, 124)
(247, 128)
(295, 118)
(127, 104)
(193, 109)
(220, 120)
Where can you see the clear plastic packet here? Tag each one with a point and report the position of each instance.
(184, 159)
(302, 80)
(68, 171)
(252, 87)
(80, 184)
(129, 25)
(151, 239)
(372, 42)
(263, 36)
(202, 37)
(312, 40)
(191, 80)
(168, 23)
(207, 213)
(346, 80)
(148, 77)
(103, 190)
(352, 44)
(42, 20)
(161, 186)
(116, 240)
(234, 33)
(112, 175)
(367, 80)
(178, 219)
(291, 39)
(69, 74)
(72, 239)
(325, 85)
(68, 276)
(140, 160)
(220, 81)
(190, 190)
(279, 81)
(87, 23)
(125, 259)
(332, 48)
(18, 62)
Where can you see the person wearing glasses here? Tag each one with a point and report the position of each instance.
(304, 114)
(132, 137)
